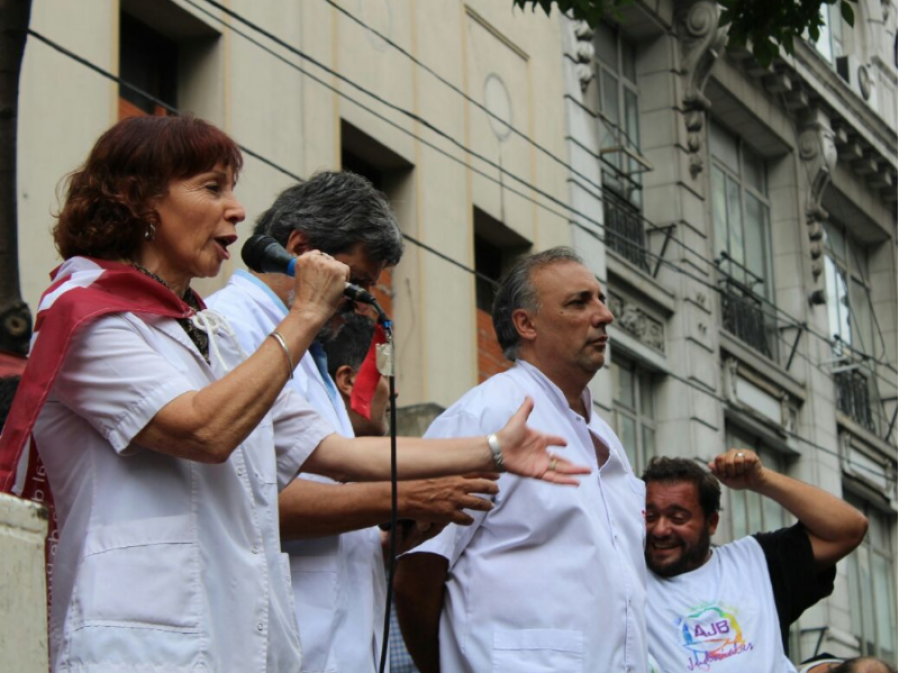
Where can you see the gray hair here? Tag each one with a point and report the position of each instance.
(517, 291)
(336, 211)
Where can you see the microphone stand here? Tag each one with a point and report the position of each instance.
(387, 369)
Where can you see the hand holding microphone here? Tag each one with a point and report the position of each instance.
(263, 254)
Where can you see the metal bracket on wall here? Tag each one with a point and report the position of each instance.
(883, 400)
(821, 631)
(800, 328)
(669, 232)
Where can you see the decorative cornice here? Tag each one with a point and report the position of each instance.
(702, 42)
(583, 53)
(818, 154)
(638, 323)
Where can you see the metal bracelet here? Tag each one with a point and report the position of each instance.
(496, 452)
(280, 339)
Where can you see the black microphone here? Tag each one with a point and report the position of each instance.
(263, 254)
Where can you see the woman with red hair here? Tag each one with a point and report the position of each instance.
(164, 445)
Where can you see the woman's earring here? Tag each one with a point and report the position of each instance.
(150, 232)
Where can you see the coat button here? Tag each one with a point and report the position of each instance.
(260, 626)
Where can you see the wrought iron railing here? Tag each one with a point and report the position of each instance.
(744, 314)
(625, 233)
(854, 396)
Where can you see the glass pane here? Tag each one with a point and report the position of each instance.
(858, 261)
(754, 171)
(756, 254)
(628, 61)
(836, 30)
(842, 301)
(836, 242)
(610, 97)
(611, 132)
(860, 316)
(823, 43)
(724, 146)
(867, 598)
(624, 388)
(719, 210)
(606, 44)
(738, 515)
(878, 533)
(855, 596)
(632, 119)
(885, 594)
(649, 444)
(774, 514)
(647, 404)
(754, 510)
(735, 227)
(627, 433)
(833, 305)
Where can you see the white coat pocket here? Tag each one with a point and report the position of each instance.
(538, 651)
(141, 573)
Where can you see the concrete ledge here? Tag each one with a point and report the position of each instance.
(23, 585)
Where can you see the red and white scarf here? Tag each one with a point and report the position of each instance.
(83, 290)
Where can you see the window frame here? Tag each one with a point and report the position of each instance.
(741, 299)
(854, 572)
(643, 378)
(832, 17)
(745, 187)
(618, 174)
(737, 437)
(850, 266)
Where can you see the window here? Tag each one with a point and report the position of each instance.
(633, 399)
(750, 512)
(852, 326)
(496, 247)
(741, 216)
(872, 589)
(149, 61)
(620, 144)
(830, 35)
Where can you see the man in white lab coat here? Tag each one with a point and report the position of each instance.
(330, 529)
(551, 579)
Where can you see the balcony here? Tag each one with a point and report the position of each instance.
(744, 312)
(854, 396)
(625, 233)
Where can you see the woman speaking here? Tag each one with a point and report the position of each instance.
(164, 445)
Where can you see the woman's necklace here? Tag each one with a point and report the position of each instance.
(199, 338)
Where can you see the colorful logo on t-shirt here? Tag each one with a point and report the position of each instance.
(711, 633)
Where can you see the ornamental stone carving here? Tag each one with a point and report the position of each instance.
(819, 156)
(701, 41)
(635, 321)
(583, 53)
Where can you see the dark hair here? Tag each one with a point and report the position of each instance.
(516, 290)
(863, 665)
(675, 470)
(8, 387)
(109, 199)
(351, 344)
(336, 211)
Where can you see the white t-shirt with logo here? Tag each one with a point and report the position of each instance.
(719, 618)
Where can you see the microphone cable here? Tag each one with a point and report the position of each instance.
(388, 370)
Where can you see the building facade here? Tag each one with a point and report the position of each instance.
(748, 242)
(742, 217)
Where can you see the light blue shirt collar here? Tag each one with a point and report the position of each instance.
(265, 288)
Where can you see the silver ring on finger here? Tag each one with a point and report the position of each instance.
(740, 454)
